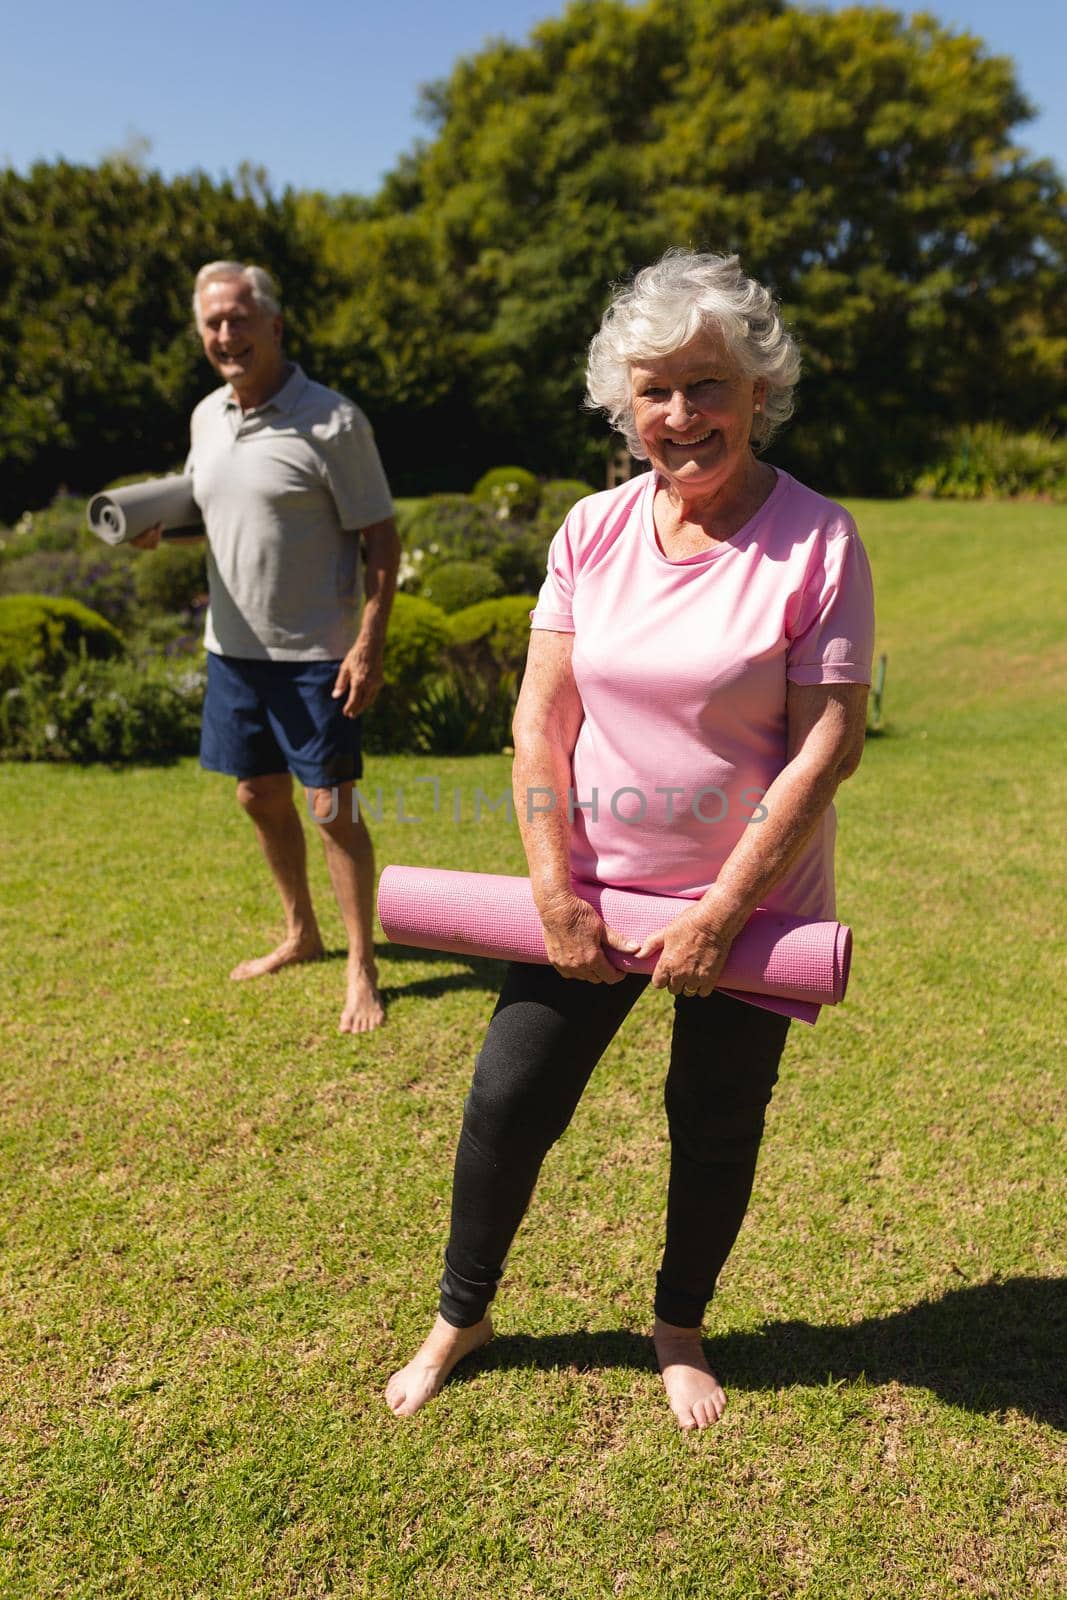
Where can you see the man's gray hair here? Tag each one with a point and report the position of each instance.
(264, 289)
(667, 305)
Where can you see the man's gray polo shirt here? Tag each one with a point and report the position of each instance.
(283, 490)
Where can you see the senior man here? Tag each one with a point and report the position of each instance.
(290, 485)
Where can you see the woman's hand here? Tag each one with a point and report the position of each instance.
(575, 938)
(692, 953)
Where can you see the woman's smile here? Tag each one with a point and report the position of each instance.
(690, 444)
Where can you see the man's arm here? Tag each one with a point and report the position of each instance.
(360, 676)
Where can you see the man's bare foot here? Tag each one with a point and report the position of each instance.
(409, 1389)
(694, 1392)
(363, 1004)
(308, 948)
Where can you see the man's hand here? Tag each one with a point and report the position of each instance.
(359, 678)
(149, 539)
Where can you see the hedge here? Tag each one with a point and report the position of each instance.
(41, 634)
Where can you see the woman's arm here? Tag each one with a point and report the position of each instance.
(826, 726)
(545, 729)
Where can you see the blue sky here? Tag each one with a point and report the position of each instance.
(324, 95)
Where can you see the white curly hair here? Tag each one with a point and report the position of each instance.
(666, 306)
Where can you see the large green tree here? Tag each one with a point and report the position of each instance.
(862, 164)
(99, 364)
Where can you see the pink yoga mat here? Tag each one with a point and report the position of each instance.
(784, 964)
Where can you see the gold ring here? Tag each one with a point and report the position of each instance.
(690, 992)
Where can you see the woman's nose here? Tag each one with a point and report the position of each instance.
(679, 411)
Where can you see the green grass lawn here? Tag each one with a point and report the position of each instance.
(223, 1221)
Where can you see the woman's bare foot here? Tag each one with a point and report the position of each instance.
(302, 948)
(409, 1389)
(363, 1004)
(694, 1392)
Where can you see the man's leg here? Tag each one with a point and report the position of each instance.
(268, 801)
(350, 858)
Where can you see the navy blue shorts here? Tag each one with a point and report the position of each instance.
(272, 716)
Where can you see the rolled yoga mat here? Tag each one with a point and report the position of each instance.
(120, 515)
(783, 964)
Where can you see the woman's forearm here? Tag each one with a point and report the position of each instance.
(795, 804)
(541, 778)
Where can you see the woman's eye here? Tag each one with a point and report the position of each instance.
(708, 383)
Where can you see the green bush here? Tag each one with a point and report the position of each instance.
(405, 513)
(558, 495)
(101, 578)
(415, 648)
(449, 526)
(60, 526)
(451, 717)
(508, 492)
(41, 634)
(487, 655)
(176, 635)
(456, 584)
(103, 711)
(520, 556)
(415, 643)
(496, 631)
(986, 461)
(173, 577)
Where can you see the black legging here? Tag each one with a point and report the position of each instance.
(545, 1037)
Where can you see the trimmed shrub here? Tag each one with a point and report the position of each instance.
(494, 631)
(41, 634)
(405, 513)
(415, 648)
(449, 526)
(487, 656)
(558, 495)
(172, 577)
(456, 584)
(415, 643)
(103, 711)
(508, 492)
(101, 578)
(986, 461)
(521, 556)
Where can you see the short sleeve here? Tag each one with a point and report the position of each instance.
(553, 608)
(832, 640)
(355, 474)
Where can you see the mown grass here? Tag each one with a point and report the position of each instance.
(222, 1220)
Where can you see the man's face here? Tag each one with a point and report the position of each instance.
(241, 340)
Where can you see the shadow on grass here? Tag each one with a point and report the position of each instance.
(986, 1348)
(481, 974)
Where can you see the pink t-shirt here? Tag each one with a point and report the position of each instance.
(682, 669)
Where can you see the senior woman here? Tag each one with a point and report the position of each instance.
(695, 692)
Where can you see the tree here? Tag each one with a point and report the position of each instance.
(860, 163)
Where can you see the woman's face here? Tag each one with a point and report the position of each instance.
(693, 412)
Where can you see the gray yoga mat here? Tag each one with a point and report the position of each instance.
(121, 514)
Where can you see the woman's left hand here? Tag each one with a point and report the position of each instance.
(692, 953)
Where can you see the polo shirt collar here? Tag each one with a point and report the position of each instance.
(285, 399)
